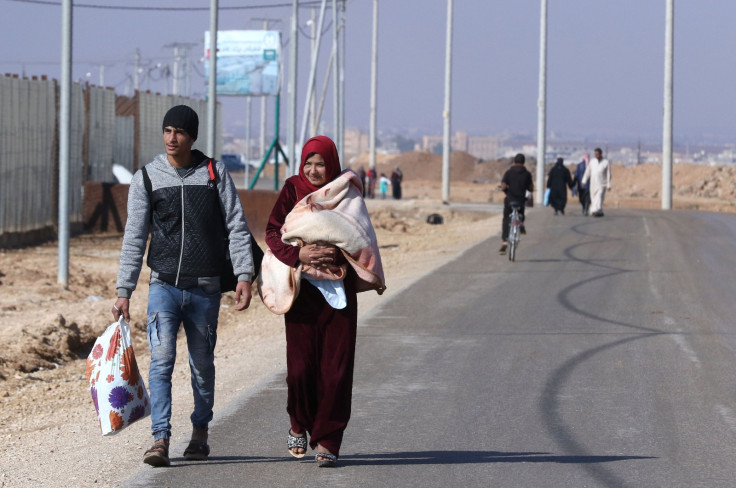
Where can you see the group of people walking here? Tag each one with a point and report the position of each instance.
(590, 181)
(369, 181)
(189, 206)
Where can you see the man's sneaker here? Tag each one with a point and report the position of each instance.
(502, 250)
(158, 455)
(599, 213)
(522, 229)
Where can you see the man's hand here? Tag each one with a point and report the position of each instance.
(121, 307)
(242, 295)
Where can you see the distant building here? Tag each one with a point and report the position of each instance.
(486, 147)
(356, 142)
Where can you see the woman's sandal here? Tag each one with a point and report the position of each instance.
(297, 442)
(328, 460)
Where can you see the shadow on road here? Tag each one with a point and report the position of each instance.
(183, 463)
(474, 457)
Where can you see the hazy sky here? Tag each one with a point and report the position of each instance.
(605, 60)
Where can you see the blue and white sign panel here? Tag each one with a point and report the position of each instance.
(247, 62)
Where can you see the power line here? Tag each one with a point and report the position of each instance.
(166, 9)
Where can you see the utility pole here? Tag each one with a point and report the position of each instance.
(669, 50)
(312, 74)
(341, 106)
(336, 79)
(291, 90)
(137, 71)
(248, 112)
(314, 119)
(212, 86)
(542, 102)
(323, 97)
(446, 112)
(266, 22)
(175, 84)
(181, 54)
(65, 119)
(374, 88)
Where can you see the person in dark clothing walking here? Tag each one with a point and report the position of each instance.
(515, 183)
(558, 181)
(582, 190)
(396, 178)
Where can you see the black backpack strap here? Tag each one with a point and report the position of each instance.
(147, 182)
(149, 190)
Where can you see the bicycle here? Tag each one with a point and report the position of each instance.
(514, 231)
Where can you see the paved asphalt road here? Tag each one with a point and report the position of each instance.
(603, 357)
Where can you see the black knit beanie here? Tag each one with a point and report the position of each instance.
(182, 117)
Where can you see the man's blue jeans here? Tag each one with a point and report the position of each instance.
(197, 309)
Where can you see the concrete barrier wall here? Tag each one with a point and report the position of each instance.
(105, 208)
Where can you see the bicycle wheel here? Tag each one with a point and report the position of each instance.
(513, 241)
(512, 249)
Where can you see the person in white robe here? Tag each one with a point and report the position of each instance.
(598, 173)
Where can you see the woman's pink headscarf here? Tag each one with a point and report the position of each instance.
(323, 146)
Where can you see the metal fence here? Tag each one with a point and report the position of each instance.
(124, 150)
(100, 136)
(27, 152)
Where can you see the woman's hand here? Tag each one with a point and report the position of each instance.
(318, 255)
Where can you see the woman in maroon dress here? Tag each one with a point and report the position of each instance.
(321, 324)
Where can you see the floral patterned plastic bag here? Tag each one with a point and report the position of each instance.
(118, 391)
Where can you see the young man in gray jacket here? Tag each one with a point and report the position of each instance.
(190, 214)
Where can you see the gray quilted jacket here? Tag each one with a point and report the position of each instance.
(188, 221)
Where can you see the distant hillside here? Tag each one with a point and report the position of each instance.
(425, 166)
(696, 187)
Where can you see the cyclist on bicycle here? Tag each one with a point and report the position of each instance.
(515, 183)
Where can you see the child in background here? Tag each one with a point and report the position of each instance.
(384, 184)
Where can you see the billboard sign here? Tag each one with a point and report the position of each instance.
(248, 62)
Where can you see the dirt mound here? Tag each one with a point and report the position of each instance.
(719, 182)
(47, 347)
(425, 166)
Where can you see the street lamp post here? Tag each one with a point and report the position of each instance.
(542, 102)
(446, 112)
(374, 87)
(668, 98)
(65, 116)
(212, 87)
